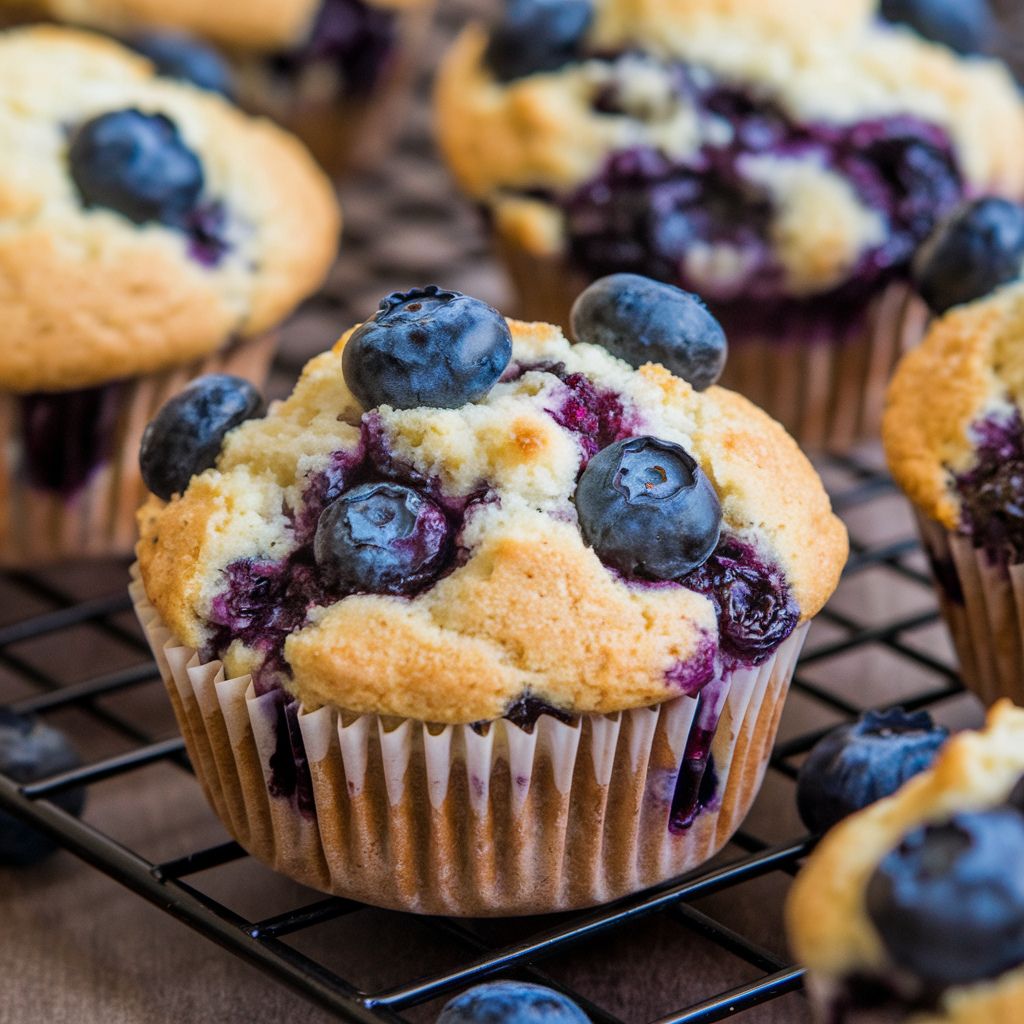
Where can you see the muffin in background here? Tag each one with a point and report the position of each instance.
(913, 909)
(522, 650)
(782, 160)
(151, 232)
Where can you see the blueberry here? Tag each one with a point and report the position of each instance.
(136, 164)
(647, 509)
(29, 751)
(645, 321)
(972, 253)
(427, 347)
(948, 902)
(176, 55)
(538, 35)
(511, 1002)
(186, 436)
(861, 763)
(963, 25)
(381, 539)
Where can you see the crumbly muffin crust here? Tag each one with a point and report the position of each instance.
(86, 295)
(969, 367)
(828, 926)
(529, 608)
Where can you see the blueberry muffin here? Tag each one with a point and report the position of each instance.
(784, 160)
(150, 232)
(481, 595)
(333, 72)
(954, 439)
(913, 910)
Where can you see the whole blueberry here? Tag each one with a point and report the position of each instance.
(948, 902)
(538, 35)
(186, 436)
(976, 250)
(381, 539)
(511, 1002)
(861, 763)
(427, 347)
(645, 321)
(136, 164)
(647, 509)
(963, 25)
(29, 751)
(176, 55)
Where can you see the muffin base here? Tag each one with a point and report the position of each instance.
(448, 820)
(39, 526)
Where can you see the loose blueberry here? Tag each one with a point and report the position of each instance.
(861, 763)
(29, 751)
(381, 539)
(538, 35)
(427, 347)
(647, 509)
(180, 56)
(963, 25)
(136, 164)
(511, 1002)
(948, 902)
(186, 436)
(971, 254)
(645, 321)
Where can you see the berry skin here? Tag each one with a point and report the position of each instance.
(29, 751)
(427, 348)
(176, 55)
(136, 164)
(858, 764)
(186, 436)
(963, 25)
(976, 250)
(511, 1002)
(381, 539)
(538, 35)
(647, 509)
(948, 902)
(645, 321)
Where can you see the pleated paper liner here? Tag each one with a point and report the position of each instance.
(451, 820)
(40, 525)
(982, 601)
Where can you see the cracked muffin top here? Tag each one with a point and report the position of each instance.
(454, 514)
(145, 223)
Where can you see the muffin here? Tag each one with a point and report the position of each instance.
(151, 233)
(913, 910)
(954, 440)
(519, 650)
(783, 160)
(333, 72)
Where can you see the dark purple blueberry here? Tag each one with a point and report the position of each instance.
(648, 510)
(427, 348)
(979, 248)
(30, 751)
(381, 539)
(858, 764)
(1016, 797)
(645, 321)
(948, 902)
(538, 35)
(186, 436)
(136, 164)
(511, 1002)
(964, 25)
(176, 55)
(525, 712)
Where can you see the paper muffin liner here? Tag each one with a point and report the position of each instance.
(97, 519)
(824, 384)
(452, 820)
(982, 602)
